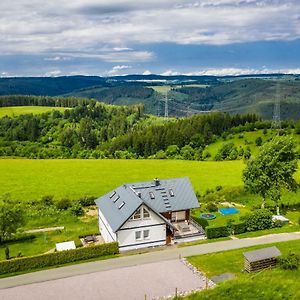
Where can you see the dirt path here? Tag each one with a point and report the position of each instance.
(45, 229)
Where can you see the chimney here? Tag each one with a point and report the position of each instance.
(156, 182)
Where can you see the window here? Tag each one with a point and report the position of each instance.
(118, 197)
(171, 192)
(137, 215)
(151, 194)
(138, 235)
(146, 213)
(146, 234)
(112, 194)
(121, 205)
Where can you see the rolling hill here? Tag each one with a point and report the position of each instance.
(187, 94)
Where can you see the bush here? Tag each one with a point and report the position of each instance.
(211, 207)
(202, 222)
(63, 204)
(239, 228)
(289, 262)
(57, 258)
(77, 210)
(18, 238)
(87, 201)
(47, 200)
(258, 220)
(216, 232)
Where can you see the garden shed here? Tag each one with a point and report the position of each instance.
(261, 259)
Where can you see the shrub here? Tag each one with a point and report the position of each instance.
(219, 188)
(216, 232)
(289, 262)
(202, 222)
(77, 210)
(63, 204)
(258, 220)
(18, 238)
(258, 141)
(239, 228)
(47, 200)
(87, 201)
(278, 223)
(57, 258)
(211, 207)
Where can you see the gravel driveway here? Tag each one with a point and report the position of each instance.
(153, 279)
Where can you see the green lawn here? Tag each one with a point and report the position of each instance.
(243, 140)
(74, 227)
(271, 284)
(31, 179)
(22, 110)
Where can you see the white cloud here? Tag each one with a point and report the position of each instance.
(35, 26)
(170, 73)
(53, 73)
(117, 69)
(147, 72)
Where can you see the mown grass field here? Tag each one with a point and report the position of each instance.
(244, 139)
(270, 284)
(22, 110)
(26, 179)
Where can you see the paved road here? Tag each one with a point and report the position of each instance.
(151, 257)
(154, 280)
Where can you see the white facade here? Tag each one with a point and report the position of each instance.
(106, 232)
(148, 231)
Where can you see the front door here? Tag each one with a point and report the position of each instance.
(169, 235)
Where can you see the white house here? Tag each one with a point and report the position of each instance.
(148, 214)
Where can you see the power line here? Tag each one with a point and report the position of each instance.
(166, 106)
(276, 122)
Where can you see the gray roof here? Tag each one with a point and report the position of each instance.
(117, 217)
(169, 195)
(261, 254)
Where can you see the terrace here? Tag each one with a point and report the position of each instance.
(188, 231)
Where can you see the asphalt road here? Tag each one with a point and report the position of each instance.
(136, 260)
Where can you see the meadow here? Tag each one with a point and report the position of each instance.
(26, 179)
(13, 111)
(269, 284)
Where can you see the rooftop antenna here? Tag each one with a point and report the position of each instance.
(166, 106)
(276, 122)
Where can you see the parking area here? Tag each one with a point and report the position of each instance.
(148, 281)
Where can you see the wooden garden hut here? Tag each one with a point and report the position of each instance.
(261, 259)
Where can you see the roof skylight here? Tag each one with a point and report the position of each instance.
(151, 194)
(121, 205)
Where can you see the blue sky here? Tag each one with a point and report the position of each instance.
(116, 37)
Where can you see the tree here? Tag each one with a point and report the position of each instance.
(272, 170)
(258, 141)
(11, 218)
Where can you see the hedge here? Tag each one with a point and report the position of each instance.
(57, 258)
(239, 228)
(213, 232)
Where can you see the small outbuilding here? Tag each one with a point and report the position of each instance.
(65, 246)
(261, 259)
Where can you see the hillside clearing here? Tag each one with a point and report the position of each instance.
(23, 110)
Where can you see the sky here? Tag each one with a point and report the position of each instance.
(118, 37)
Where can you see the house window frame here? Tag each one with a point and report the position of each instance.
(137, 212)
(140, 233)
(147, 212)
(148, 236)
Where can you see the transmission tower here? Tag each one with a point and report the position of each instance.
(166, 106)
(276, 122)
